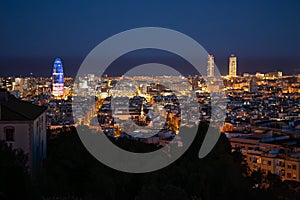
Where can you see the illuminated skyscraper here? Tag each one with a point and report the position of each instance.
(58, 78)
(211, 66)
(232, 65)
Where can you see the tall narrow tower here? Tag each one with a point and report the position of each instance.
(232, 65)
(211, 66)
(58, 78)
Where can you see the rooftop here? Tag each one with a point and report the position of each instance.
(12, 109)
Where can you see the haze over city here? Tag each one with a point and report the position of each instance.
(263, 34)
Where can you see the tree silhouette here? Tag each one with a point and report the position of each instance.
(223, 174)
(15, 182)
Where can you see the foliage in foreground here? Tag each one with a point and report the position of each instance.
(70, 172)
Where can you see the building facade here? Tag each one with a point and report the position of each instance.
(232, 65)
(211, 66)
(23, 126)
(269, 158)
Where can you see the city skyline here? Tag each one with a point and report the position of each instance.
(230, 70)
(150, 99)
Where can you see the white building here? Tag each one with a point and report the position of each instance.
(23, 126)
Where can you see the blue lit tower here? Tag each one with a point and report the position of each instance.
(58, 78)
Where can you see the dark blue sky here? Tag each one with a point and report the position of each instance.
(263, 34)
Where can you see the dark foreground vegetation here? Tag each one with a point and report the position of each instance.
(70, 172)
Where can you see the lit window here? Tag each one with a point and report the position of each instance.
(9, 133)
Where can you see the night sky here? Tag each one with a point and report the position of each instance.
(263, 34)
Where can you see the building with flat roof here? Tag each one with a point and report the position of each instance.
(269, 156)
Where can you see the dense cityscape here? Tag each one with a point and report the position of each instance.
(149, 100)
(262, 115)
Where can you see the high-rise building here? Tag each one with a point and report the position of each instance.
(211, 66)
(232, 65)
(58, 78)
